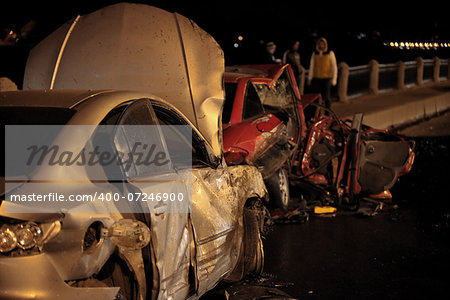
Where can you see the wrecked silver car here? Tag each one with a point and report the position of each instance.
(123, 248)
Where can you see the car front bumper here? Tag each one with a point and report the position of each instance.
(36, 277)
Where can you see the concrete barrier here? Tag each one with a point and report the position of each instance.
(394, 114)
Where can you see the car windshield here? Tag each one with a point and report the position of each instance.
(230, 92)
(19, 115)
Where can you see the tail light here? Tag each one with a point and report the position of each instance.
(235, 156)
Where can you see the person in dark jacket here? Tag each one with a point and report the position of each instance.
(292, 57)
(269, 57)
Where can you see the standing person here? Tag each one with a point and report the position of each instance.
(322, 70)
(292, 57)
(269, 57)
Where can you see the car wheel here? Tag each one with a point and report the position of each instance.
(115, 273)
(253, 245)
(251, 258)
(278, 187)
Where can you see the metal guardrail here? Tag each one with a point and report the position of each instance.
(428, 70)
(410, 73)
(444, 71)
(387, 77)
(358, 80)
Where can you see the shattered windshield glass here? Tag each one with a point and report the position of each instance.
(281, 102)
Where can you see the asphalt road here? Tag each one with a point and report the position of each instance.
(434, 127)
(401, 253)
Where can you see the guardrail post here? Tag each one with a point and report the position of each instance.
(343, 82)
(374, 69)
(436, 68)
(419, 63)
(400, 75)
(7, 84)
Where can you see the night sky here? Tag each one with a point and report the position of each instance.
(355, 32)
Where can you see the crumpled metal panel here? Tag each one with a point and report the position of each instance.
(381, 164)
(141, 48)
(218, 199)
(272, 149)
(170, 241)
(206, 65)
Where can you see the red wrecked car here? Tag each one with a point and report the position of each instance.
(289, 139)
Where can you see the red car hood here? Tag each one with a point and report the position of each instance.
(245, 135)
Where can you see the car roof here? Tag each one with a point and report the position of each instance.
(45, 98)
(93, 105)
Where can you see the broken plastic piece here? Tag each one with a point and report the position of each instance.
(318, 210)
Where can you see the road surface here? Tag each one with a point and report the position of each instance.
(401, 253)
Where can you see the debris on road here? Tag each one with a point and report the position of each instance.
(325, 210)
(264, 286)
(292, 216)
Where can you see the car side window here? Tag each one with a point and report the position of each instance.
(143, 146)
(252, 103)
(182, 137)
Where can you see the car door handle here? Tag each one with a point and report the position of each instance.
(160, 208)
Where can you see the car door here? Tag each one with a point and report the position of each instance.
(215, 211)
(152, 185)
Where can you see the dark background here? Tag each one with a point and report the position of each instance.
(356, 32)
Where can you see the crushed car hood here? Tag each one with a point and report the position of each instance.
(141, 48)
(270, 71)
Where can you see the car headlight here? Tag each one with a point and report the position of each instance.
(8, 240)
(28, 235)
(24, 235)
(22, 238)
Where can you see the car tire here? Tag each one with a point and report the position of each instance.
(115, 273)
(251, 257)
(278, 188)
(253, 245)
(124, 278)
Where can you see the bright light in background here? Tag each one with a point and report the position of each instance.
(418, 45)
(236, 45)
(240, 38)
